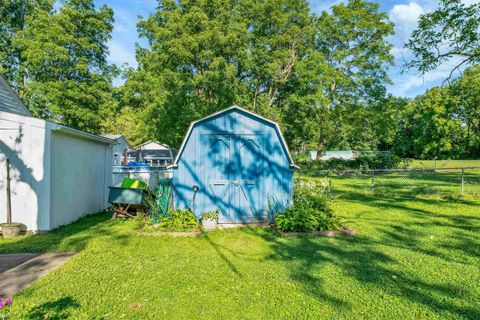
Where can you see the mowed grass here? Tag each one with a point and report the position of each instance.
(413, 258)
(429, 164)
(402, 184)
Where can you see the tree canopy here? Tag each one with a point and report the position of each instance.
(57, 60)
(322, 77)
(272, 57)
(451, 31)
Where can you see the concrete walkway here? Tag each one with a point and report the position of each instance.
(17, 271)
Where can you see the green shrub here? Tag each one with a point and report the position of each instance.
(177, 220)
(363, 162)
(311, 209)
(210, 215)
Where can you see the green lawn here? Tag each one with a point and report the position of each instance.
(429, 164)
(413, 257)
(403, 184)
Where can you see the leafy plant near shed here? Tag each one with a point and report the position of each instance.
(176, 221)
(210, 215)
(311, 209)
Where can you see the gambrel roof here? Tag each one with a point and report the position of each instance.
(254, 115)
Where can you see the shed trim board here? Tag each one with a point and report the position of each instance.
(277, 128)
(83, 134)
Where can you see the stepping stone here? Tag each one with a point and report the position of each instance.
(24, 269)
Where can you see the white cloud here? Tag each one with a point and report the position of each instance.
(470, 2)
(412, 84)
(405, 16)
(415, 81)
(125, 21)
(318, 6)
(122, 52)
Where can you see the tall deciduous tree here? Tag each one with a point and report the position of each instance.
(432, 128)
(467, 89)
(63, 57)
(273, 57)
(13, 18)
(353, 39)
(207, 55)
(452, 31)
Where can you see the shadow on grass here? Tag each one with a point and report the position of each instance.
(218, 249)
(461, 231)
(366, 258)
(73, 237)
(53, 310)
(362, 259)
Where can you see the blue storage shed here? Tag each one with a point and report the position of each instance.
(235, 161)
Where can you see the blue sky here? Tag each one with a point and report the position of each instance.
(403, 13)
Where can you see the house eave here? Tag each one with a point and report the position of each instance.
(82, 134)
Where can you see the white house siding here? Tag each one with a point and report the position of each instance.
(57, 174)
(23, 140)
(81, 172)
(118, 150)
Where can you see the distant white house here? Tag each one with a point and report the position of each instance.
(58, 174)
(341, 154)
(153, 153)
(119, 149)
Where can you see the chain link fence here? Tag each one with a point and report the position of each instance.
(401, 182)
(389, 183)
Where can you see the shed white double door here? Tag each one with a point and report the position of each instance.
(233, 176)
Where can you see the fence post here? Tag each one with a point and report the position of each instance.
(463, 181)
(373, 180)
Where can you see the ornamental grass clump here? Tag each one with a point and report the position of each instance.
(311, 209)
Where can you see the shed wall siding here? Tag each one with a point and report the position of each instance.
(81, 171)
(24, 140)
(277, 176)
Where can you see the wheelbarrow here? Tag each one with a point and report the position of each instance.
(124, 199)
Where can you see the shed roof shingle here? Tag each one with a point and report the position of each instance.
(9, 101)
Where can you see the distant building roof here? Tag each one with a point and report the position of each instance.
(343, 154)
(346, 152)
(116, 137)
(9, 101)
(152, 145)
(154, 154)
(112, 136)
